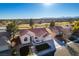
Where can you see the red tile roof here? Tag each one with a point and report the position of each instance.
(56, 28)
(39, 31)
(36, 31)
(23, 32)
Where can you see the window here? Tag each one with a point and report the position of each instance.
(25, 39)
(36, 38)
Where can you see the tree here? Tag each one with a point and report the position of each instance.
(31, 23)
(76, 26)
(12, 29)
(52, 24)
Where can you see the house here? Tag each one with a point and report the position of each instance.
(40, 37)
(25, 36)
(3, 29)
(43, 44)
(37, 35)
(4, 45)
(59, 34)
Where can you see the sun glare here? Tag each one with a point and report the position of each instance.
(48, 4)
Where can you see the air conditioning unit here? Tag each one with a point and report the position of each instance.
(25, 39)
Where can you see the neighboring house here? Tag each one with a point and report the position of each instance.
(3, 39)
(56, 29)
(4, 46)
(3, 29)
(59, 34)
(3, 43)
(67, 31)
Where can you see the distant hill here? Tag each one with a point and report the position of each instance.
(42, 20)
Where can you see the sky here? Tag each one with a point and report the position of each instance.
(38, 10)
